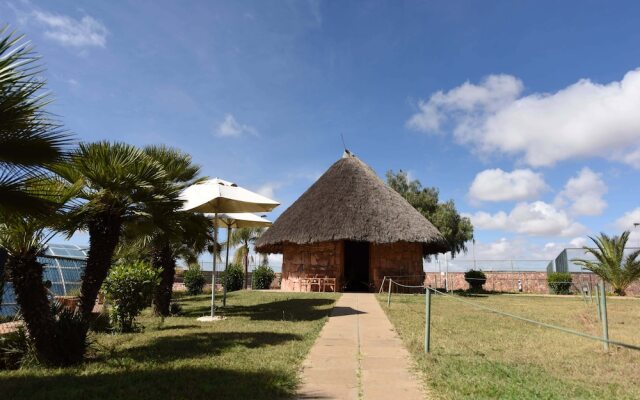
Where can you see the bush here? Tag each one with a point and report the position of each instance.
(194, 280)
(475, 279)
(129, 288)
(175, 309)
(16, 350)
(262, 277)
(559, 282)
(70, 334)
(233, 277)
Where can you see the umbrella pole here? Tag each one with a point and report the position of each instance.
(226, 265)
(213, 273)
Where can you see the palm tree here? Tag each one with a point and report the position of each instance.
(611, 264)
(242, 238)
(170, 232)
(29, 139)
(23, 238)
(115, 182)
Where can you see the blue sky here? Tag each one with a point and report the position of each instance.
(525, 113)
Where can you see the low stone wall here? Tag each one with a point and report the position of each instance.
(525, 282)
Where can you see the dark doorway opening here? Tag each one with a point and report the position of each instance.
(356, 266)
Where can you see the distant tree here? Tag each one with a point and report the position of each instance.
(457, 230)
(611, 264)
(243, 238)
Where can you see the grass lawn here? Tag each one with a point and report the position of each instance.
(478, 355)
(254, 354)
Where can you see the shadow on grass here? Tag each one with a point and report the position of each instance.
(184, 346)
(282, 310)
(152, 383)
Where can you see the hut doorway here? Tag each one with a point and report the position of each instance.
(356, 266)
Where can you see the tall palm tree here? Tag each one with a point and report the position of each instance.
(29, 138)
(243, 238)
(611, 264)
(115, 182)
(23, 238)
(169, 231)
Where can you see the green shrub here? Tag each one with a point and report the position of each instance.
(475, 279)
(559, 282)
(16, 350)
(262, 277)
(233, 277)
(175, 309)
(129, 289)
(194, 280)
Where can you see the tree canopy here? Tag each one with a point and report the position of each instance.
(456, 229)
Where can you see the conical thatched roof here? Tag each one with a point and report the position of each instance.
(350, 202)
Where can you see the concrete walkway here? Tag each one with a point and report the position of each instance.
(358, 355)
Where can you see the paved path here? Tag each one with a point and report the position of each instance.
(358, 355)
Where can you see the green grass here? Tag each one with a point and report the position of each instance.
(254, 354)
(480, 355)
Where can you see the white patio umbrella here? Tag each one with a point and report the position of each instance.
(237, 220)
(219, 196)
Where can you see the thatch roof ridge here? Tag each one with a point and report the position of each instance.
(350, 202)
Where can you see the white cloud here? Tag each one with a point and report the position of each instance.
(499, 185)
(269, 189)
(584, 192)
(626, 223)
(230, 127)
(68, 31)
(582, 120)
(535, 219)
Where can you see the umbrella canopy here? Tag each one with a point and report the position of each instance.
(220, 196)
(240, 220)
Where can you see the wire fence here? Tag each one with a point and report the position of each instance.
(602, 312)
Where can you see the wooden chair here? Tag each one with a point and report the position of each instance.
(330, 282)
(304, 284)
(315, 281)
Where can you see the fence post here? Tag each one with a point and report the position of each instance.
(597, 287)
(389, 295)
(382, 286)
(427, 320)
(603, 312)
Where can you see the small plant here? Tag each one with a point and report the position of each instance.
(16, 350)
(233, 277)
(262, 277)
(129, 288)
(175, 309)
(476, 279)
(194, 280)
(559, 282)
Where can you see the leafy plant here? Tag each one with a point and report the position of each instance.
(611, 264)
(194, 279)
(16, 350)
(559, 282)
(233, 277)
(476, 279)
(175, 309)
(262, 277)
(129, 288)
(243, 238)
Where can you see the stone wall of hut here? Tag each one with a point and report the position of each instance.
(324, 259)
(396, 259)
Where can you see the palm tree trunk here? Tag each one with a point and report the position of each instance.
(162, 259)
(31, 295)
(246, 267)
(104, 234)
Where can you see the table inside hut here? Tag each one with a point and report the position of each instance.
(320, 283)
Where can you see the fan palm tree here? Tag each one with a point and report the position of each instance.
(170, 232)
(116, 183)
(23, 237)
(611, 264)
(29, 138)
(243, 238)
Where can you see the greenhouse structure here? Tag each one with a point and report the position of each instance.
(63, 267)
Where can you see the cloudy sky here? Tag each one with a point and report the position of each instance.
(527, 114)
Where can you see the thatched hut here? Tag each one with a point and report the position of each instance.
(351, 226)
